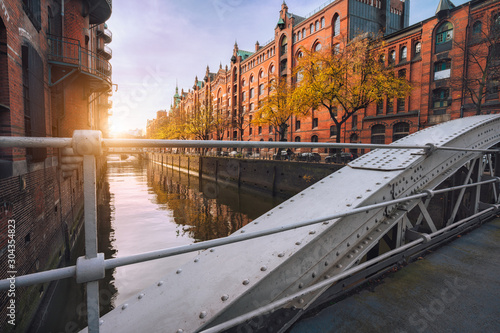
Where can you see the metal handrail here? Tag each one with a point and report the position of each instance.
(90, 269)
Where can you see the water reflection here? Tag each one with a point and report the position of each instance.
(143, 206)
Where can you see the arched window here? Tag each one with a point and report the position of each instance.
(336, 25)
(311, 29)
(317, 47)
(404, 53)
(261, 89)
(271, 69)
(284, 46)
(243, 82)
(317, 25)
(304, 33)
(392, 57)
(297, 139)
(251, 79)
(252, 93)
(418, 49)
(477, 28)
(444, 37)
(378, 134)
(299, 35)
(400, 130)
(314, 138)
(322, 22)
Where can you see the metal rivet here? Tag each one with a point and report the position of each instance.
(101, 322)
(339, 266)
(256, 222)
(242, 231)
(298, 243)
(160, 283)
(246, 281)
(326, 222)
(348, 244)
(326, 263)
(313, 274)
(327, 277)
(263, 268)
(312, 232)
(224, 297)
(281, 255)
(197, 259)
(141, 295)
(179, 271)
(301, 301)
(301, 285)
(212, 250)
(280, 207)
(124, 306)
(349, 256)
(203, 314)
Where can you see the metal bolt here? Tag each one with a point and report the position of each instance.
(312, 232)
(124, 306)
(339, 266)
(327, 277)
(160, 283)
(313, 274)
(349, 256)
(203, 314)
(101, 322)
(180, 331)
(281, 255)
(224, 297)
(326, 263)
(298, 243)
(197, 259)
(141, 295)
(301, 301)
(256, 222)
(242, 231)
(179, 271)
(263, 268)
(212, 250)
(301, 285)
(246, 281)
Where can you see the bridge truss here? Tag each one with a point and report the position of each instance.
(380, 210)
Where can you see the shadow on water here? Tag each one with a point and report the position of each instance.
(144, 207)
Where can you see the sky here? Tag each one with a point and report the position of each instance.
(160, 43)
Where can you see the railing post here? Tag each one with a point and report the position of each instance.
(88, 144)
(90, 204)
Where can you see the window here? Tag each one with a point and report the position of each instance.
(261, 74)
(33, 10)
(418, 49)
(250, 131)
(477, 28)
(400, 130)
(404, 53)
(390, 105)
(34, 100)
(271, 129)
(260, 130)
(336, 48)
(317, 47)
(297, 125)
(314, 138)
(251, 109)
(251, 79)
(378, 134)
(304, 33)
(299, 34)
(243, 82)
(392, 57)
(495, 25)
(322, 22)
(444, 37)
(311, 29)
(380, 107)
(243, 96)
(252, 93)
(271, 69)
(294, 38)
(261, 89)
(442, 69)
(297, 139)
(440, 98)
(336, 25)
(315, 123)
(284, 46)
(333, 130)
(317, 25)
(354, 121)
(401, 104)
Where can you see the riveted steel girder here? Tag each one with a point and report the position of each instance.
(225, 282)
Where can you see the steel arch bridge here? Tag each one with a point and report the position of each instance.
(380, 209)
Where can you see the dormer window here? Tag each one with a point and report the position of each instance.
(444, 37)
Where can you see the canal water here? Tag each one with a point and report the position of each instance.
(144, 206)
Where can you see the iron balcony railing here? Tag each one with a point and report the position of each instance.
(68, 51)
(91, 268)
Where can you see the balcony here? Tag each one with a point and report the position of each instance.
(100, 11)
(105, 51)
(67, 57)
(104, 33)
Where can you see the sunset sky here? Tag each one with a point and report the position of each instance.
(157, 43)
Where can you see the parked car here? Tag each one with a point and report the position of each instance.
(344, 157)
(309, 157)
(280, 156)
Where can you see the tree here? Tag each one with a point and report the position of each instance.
(346, 79)
(277, 108)
(482, 62)
(202, 123)
(172, 127)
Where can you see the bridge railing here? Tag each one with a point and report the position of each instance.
(90, 268)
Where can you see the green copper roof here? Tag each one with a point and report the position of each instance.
(444, 5)
(244, 54)
(281, 21)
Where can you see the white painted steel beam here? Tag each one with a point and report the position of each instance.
(223, 283)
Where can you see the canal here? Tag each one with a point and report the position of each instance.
(144, 206)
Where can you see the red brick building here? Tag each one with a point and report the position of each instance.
(54, 78)
(433, 55)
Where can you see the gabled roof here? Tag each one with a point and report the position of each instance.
(297, 18)
(444, 5)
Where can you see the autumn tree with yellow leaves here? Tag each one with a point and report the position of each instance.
(277, 108)
(346, 79)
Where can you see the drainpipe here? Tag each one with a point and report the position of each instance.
(62, 18)
(466, 66)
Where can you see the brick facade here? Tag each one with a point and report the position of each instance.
(231, 87)
(54, 79)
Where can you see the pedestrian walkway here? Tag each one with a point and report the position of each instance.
(454, 289)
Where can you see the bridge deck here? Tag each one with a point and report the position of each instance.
(455, 289)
